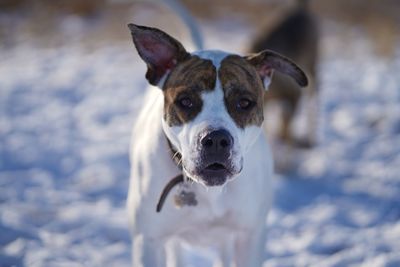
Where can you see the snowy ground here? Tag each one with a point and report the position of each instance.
(65, 122)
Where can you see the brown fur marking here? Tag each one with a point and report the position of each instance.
(240, 80)
(189, 79)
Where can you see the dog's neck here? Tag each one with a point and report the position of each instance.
(175, 154)
(180, 178)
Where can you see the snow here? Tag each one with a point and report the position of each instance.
(65, 121)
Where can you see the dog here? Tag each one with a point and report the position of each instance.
(296, 37)
(199, 137)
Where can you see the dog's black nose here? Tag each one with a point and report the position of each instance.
(217, 141)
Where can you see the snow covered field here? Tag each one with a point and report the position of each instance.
(65, 120)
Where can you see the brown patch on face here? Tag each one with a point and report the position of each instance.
(183, 88)
(243, 91)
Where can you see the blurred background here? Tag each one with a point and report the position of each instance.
(71, 85)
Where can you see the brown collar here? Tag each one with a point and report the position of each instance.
(175, 181)
(177, 158)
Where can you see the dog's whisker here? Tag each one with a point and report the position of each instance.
(175, 154)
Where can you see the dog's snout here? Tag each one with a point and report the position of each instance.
(217, 141)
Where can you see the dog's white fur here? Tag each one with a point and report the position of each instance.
(231, 220)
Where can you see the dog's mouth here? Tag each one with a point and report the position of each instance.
(212, 170)
(215, 174)
(215, 167)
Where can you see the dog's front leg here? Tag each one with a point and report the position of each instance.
(175, 255)
(226, 250)
(250, 249)
(148, 252)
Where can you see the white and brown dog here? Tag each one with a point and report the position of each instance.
(201, 123)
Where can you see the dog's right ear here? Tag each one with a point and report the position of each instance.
(160, 51)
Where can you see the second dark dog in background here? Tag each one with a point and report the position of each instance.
(295, 36)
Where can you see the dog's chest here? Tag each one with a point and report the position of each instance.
(210, 220)
(214, 208)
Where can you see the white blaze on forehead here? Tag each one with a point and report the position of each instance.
(216, 56)
(214, 112)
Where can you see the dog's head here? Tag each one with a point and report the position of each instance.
(213, 101)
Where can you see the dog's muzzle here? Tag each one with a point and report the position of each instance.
(215, 165)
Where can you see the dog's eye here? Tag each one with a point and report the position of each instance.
(244, 104)
(185, 102)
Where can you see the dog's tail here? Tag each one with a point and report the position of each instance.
(184, 14)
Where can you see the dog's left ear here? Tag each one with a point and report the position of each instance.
(266, 62)
(160, 51)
